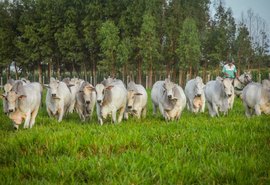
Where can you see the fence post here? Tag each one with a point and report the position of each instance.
(208, 77)
(91, 80)
(1, 82)
(187, 78)
(43, 80)
(269, 76)
(127, 79)
(260, 78)
(146, 83)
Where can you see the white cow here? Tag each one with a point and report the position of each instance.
(85, 101)
(137, 99)
(170, 98)
(58, 98)
(195, 95)
(23, 102)
(240, 82)
(7, 88)
(74, 85)
(217, 93)
(256, 98)
(110, 99)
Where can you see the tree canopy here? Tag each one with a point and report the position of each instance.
(122, 36)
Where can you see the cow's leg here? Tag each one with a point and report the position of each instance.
(154, 109)
(114, 111)
(98, 108)
(188, 104)
(33, 117)
(232, 101)
(79, 110)
(203, 106)
(144, 112)
(247, 110)
(215, 110)
(257, 110)
(139, 113)
(210, 109)
(27, 120)
(49, 112)
(126, 114)
(61, 114)
(71, 107)
(161, 109)
(121, 113)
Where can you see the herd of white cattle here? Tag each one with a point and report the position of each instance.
(22, 98)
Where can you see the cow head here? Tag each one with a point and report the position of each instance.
(102, 92)
(168, 89)
(53, 88)
(247, 77)
(198, 86)
(131, 98)
(228, 86)
(12, 99)
(87, 90)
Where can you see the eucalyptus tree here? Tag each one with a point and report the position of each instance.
(189, 46)
(243, 47)
(149, 45)
(108, 35)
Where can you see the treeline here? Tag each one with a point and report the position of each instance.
(124, 37)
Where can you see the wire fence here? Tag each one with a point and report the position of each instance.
(256, 77)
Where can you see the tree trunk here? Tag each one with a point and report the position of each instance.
(39, 73)
(16, 71)
(94, 71)
(180, 77)
(150, 73)
(204, 72)
(58, 70)
(73, 69)
(168, 70)
(174, 75)
(85, 71)
(190, 71)
(49, 70)
(139, 77)
(8, 71)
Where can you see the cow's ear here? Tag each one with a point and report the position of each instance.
(90, 87)
(70, 85)
(21, 96)
(109, 87)
(3, 96)
(46, 85)
(138, 94)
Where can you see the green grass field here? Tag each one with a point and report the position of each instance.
(196, 150)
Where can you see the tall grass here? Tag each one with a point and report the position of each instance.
(196, 150)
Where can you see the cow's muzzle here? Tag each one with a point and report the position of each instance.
(87, 102)
(99, 101)
(129, 107)
(198, 95)
(11, 110)
(170, 96)
(54, 95)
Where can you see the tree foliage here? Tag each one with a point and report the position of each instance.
(143, 35)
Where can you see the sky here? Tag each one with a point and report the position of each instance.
(260, 7)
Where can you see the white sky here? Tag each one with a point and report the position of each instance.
(260, 7)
